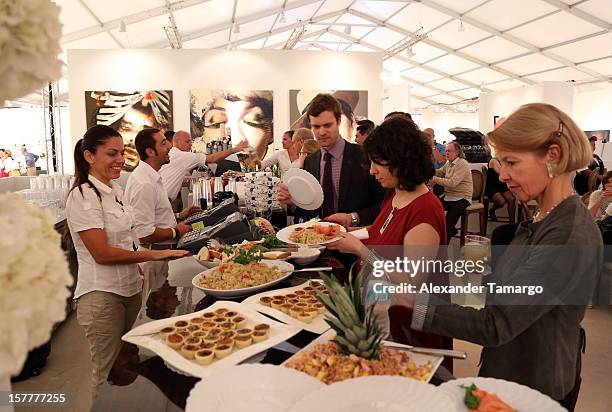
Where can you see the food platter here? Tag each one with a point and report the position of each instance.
(148, 336)
(285, 267)
(286, 233)
(317, 325)
(418, 358)
(519, 397)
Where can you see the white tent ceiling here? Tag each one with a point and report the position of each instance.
(470, 45)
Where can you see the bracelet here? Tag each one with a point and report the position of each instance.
(173, 233)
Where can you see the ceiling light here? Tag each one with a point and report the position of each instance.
(347, 29)
(282, 18)
(122, 28)
(409, 52)
(461, 26)
(236, 28)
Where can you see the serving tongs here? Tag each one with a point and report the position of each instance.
(455, 354)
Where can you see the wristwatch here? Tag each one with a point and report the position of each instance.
(354, 219)
(177, 216)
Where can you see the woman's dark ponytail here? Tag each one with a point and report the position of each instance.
(95, 136)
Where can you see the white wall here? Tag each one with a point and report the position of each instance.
(503, 103)
(182, 70)
(442, 122)
(592, 111)
(396, 98)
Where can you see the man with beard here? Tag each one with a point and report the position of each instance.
(154, 221)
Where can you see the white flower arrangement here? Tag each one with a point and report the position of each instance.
(30, 34)
(34, 280)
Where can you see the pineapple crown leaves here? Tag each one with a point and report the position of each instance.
(356, 329)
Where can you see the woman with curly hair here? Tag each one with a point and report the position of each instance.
(411, 222)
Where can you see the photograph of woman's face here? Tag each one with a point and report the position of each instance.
(248, 115)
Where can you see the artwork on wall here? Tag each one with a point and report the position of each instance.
(128, 112)
(602, 136)
(354, 105)
(247, 113)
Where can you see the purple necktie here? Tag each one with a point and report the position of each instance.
(328, 187)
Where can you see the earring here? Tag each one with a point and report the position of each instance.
(549, 168)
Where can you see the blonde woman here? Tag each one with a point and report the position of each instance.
(308, 148)
(534, 340)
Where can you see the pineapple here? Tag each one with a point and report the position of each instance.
(357, 331)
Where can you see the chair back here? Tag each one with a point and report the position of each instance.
(479, 182)
(593, 182)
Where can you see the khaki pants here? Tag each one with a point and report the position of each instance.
(31, 170)
(105, 317)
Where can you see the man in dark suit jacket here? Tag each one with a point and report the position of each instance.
(351, 196)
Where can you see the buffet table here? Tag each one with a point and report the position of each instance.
(140, 376)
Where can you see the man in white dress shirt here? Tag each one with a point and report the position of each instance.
(183, 161)
(155, 223)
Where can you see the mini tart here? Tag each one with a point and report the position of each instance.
(291, 296)
(286, 308)
(199, 334)
(293, 311)
(197, 321)
(184, 333)
(204, 356)
(221, 351)
(319, 307)
(226, 341)
(300, 292)
(167, 331)
(193, 328)
(227, 334)
(208, 315)
(221, 311)
(175, 341)
(304, 316)
(181, 324)
(193, 341)
(312, 301)
(293, 301)
(220, 319)
(212, 339)
(208, 345)
(214, 331)
(189, 351)
(244, 332)
(208, 325)
(278, 297)
(302, 305)
(228, 325)
(239, 322)
(265, 300)
(308, 288)
(304, 298)
(259, 336)
(242, 341)
(313, 312)
(262, 327)
(277, 303)
(231, 314)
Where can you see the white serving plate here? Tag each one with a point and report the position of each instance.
(306, 191)
(233, 293)
(284, 233)
(376, 393)
(520, 397)
(147, 336)
(318, 324)
(417, 358)
(206, 263)
(253, 388)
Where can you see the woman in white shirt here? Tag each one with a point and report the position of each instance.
(108, 292)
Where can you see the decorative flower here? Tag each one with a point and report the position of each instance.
(30, 34)
(34, 280)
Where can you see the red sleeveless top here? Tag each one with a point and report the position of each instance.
(428, 209)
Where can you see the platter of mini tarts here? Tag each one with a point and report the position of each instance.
(296, 305)
(203, 342)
